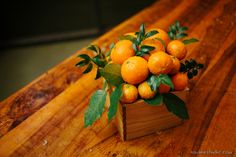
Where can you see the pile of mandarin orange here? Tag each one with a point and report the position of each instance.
(164, 59)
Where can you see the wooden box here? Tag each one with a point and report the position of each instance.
(140, 119)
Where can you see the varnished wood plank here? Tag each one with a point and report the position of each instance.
(221, 135)
(57, 125)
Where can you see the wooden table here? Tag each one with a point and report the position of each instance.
(45, 118)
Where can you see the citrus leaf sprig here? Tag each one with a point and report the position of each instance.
(175, 105)
(190, 67)
(154, 81)
(176, 31)
(172, 102)
(98, 60)
(112, 75)
(114, 100)
(111, 46)
(96, 107)
(140, 49)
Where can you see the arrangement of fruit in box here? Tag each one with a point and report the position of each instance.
(149, 65)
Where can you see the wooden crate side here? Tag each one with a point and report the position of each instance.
(143, 119)
(121, 121)
(140, 119)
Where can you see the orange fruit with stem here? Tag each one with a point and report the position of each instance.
(145, 91)
(180, 81)
(121, 51)
(176, 65)
(177, 48)
(161, 35)
(134, 70)
(154, 43)
(129, 93)
(160, 63)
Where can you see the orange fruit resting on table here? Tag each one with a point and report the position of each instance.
(161, 34)
(163, 88)
(121, 51)
(145, 91)
(176, 65)
(129, 93)
(154, 43)
(134, 70)
(160, 63)
(177, 48)
(180, 81)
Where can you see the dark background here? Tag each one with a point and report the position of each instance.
(25, 19)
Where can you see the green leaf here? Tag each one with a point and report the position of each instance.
(151, 33)
(114, 101)
(140, 53)
(138, 40)
(189, 41)
(112, 74)
(162, 42)
(98, 61)
(94, 48)
(193, 63)
(98, 74)
(175, 105)
(84, 56)
(142, 30)
(183, 29)
(195, 72)
(146, 48)
(154, 82)
(112, 45)
(200, 66)
(135, 47)
(172, 29)
(181, 35)
(177, 24)
(165, 79)
(95, 108)
(157, 100)
(182, 68)
(190, 75)
(89, 68)
(171, 35)
(82, 63)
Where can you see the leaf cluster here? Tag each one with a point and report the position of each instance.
(191, 67)
(154, 81)
(112, 75)
(176, 31)
(173, 103)
(99, 60)
(140, 49)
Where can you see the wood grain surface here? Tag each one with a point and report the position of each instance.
(45, 118)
